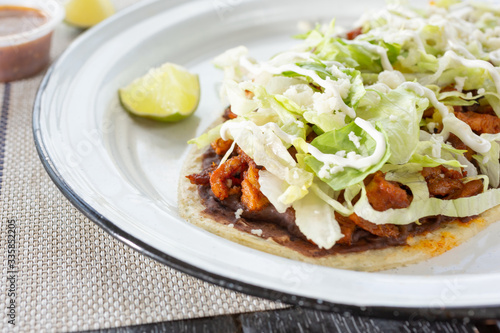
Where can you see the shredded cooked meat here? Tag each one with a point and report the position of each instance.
(447, 184)
(444, 188)
(442, 182)
(347, 227)
(429, 112)
(441, 172)
(228, 114)
(470, 189)
(227, 175)
(381, 230)
(484, 109)
(221, 146)
(458, 144)
(202, 178)
(383, 194)
(251, 196)
(354, 33)
(238, 174)
(480, 123)
(349, 224)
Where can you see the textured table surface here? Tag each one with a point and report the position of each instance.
(301, 320)
(69, 275)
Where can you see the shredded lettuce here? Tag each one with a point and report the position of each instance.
(357, 90)
(326, 122)
(317, 221)
(240, 104)
(340, 142)
(351, 54)
(273, 187)
(318, 67)
(489, 163)
(398, 113)
(206, 138)
(433, 152)
(417, 61)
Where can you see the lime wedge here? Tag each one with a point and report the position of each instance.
(87, 13)
(167, 93)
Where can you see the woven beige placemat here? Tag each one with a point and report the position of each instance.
(67, 274)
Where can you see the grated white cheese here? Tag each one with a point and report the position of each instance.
(324, 172)
(336, 169)
(392, 79)
(238, 213)
(329, 169)
(341, 153)
(354, 139)
(256, 232)
(231, 225)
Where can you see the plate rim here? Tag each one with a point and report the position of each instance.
(416, 313)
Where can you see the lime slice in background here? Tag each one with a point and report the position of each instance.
(167, 93)
(87, 13)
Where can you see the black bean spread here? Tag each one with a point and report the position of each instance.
(268, 223)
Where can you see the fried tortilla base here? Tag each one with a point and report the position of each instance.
(419, 248)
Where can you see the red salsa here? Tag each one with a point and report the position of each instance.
(22, 58)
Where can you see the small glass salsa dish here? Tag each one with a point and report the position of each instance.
(26, 28)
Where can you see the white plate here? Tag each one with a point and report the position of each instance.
(123, 172)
